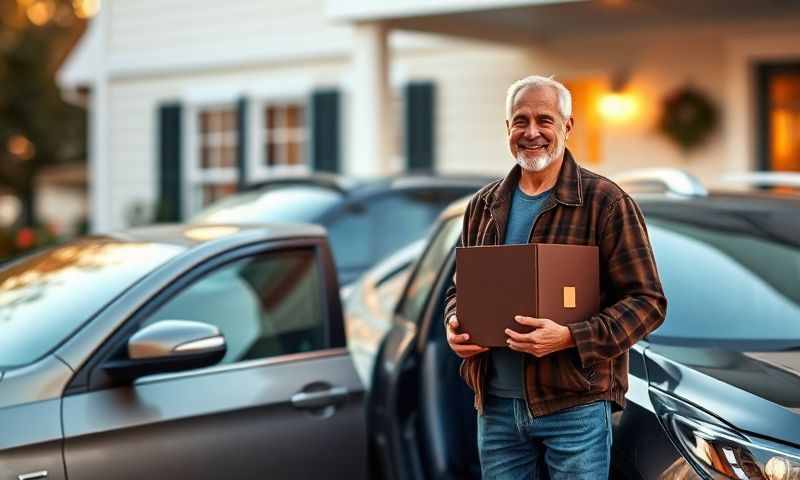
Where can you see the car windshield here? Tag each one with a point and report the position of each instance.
(731, 274)
(48, 295)
(295, 203)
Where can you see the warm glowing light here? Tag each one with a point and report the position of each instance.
(782, 136)
(21, 147)
(617, 106)
(10, 208)
(209, 233)
(41, 12)
(86, 8)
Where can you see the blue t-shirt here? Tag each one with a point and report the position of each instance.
(505, 375)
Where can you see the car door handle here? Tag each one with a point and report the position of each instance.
(319, 399)
(32, 475)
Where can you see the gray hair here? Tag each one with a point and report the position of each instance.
(564, 97)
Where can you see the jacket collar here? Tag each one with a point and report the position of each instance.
(568, 189)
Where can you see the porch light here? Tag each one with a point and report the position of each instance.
(618, 106)
(40, 12)
(86, 8)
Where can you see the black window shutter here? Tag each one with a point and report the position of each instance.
(241, 143)
(169, 205)
(325, 130)
(419, 112)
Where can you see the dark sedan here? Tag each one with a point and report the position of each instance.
(200, 352)
(713, 393)
(366, 219)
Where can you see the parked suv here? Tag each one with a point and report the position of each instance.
(367, 219)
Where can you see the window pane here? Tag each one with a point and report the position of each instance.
(205, 124)
(229, 121)
(215, 159)
(205, 156)
(264, 306)
(270, 153)
(214, 121)
(280, 154)
(269, 115)
(430, 265)
(293, 154)
(294, 116)
(228, 156)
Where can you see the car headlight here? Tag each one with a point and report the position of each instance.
(719, 453)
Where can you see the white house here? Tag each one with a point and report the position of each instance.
(191, 99)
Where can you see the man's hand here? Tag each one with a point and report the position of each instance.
(458, 341)
(547, 337)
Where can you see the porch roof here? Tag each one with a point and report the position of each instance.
(515, 21)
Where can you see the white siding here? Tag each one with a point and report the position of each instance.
(153, 37)
(167, 35)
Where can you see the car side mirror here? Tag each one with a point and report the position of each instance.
(169, 346)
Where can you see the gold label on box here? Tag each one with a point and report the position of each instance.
(569, 297)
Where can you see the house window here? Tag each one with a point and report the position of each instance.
(285, 135)
(217, 143)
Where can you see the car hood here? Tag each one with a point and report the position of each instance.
(734, 384)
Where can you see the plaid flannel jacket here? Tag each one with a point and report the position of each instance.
(584, 209)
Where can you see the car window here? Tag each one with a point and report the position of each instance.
(47, 296)
(398, 220)
(284, 203)
(349, 236)
(429, 267)
(265, 306)
(376, 229)
(724, 286)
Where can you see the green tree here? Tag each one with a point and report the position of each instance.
(37, 127)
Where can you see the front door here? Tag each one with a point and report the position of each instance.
(285, 402)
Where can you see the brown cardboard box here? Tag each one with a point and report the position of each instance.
(543, 280)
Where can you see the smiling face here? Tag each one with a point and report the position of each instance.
(537, 132)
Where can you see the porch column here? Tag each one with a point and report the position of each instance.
(100, 175)
(371, 130)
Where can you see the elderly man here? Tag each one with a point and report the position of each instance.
(544, 403)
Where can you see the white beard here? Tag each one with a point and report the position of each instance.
(537, 164)
(540, 161)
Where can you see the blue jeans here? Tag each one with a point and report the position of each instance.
(573, 443)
